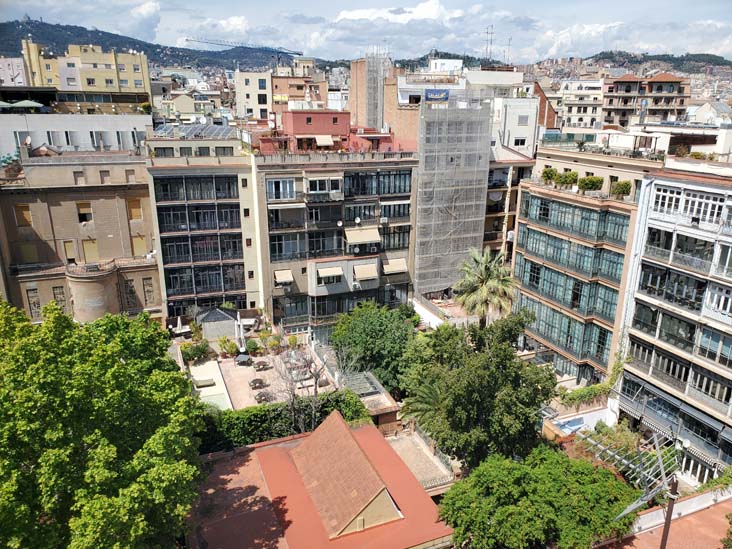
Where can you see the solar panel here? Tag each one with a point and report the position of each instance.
(196, 131)
(361, 384)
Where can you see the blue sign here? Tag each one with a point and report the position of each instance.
(436, 96)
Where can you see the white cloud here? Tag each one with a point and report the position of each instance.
(142, 22)
(430, 9)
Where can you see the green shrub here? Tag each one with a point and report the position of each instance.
(590, 183)
(252, 346)
(274, 342)
(232, 428)
(621, 187)
(549, 174)
(228, 305)
(193, 351)
(228, 347)
(567, 179)
(292, 341)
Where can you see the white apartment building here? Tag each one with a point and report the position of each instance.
(12, 72)
(580, 103)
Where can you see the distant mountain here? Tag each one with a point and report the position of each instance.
(468, 60)
(689, 62)
(58, 37)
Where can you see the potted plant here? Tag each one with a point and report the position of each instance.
(567, 179)
(548, 175)
(590, 183)
(292, 341)
(252, 347)
(621, 188)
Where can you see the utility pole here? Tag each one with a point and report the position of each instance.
(673, 493)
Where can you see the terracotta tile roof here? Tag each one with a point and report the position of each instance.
(340, 488)
(628, 78)
(666, 77)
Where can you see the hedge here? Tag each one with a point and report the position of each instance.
(229, 429)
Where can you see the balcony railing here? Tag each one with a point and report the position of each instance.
(709, 448)
(654, 252)
(681, 341)
(180, 290)
(324, 197)
(294, 196)
(645, 327)
(176, 258)
(708, 401)
(332, 157)
(495, 235)
(284, 225)
(210, 256)
(697, 264)
(288, 256)
(668, 379)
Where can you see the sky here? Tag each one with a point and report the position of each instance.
(524, 32)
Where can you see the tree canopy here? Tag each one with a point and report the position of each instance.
(97, 424)
(376, 337)
(548, 499)
(486, 286)
(484, 399)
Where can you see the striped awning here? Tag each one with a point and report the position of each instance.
(365, 272)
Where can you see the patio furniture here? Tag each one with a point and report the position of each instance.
(243, 359)
(257, 383)
(201, 383)
(261, 365)
(263, 396)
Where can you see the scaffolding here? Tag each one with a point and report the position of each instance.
(377, 68)
(454, 150)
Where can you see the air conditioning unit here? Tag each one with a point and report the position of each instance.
(383, 220)
(356, 286)
(374, 249)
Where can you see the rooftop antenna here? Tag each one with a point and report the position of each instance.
(508, 51)
(488, 43)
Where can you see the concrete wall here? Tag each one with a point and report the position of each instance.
(321, 123)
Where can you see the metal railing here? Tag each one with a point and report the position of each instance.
(655, 252)
(91, 269)
(284, 197)
(332, 157)
(708, 400)
(440, 480)
(697, 264)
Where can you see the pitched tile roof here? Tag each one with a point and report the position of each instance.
(337, 474)
(628, 78)
(666, 77)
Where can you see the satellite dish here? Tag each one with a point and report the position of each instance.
(339, 223)
(356, 249)
(357, 220)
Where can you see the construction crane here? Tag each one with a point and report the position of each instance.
(242, 45)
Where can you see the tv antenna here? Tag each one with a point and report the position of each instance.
(488, 43)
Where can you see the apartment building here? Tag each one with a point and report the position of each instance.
(254, 94)
(12, 72)
(77, 229)
(679, 314)
(86, 68)
(580, 103)
(663, 97)
(90, 132)
(570, 266)
(339, 220)
(205, 213)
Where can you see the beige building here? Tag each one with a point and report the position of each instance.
(205, 210)
(86, 69)
(76, 228)
(253, 94)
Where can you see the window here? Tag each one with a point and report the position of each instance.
(109, 82)
(104, 176)
(134, 208)
(250, 274)
(186, 151)
(309, 120)
(148, 291)
(59, 296)
(94, 66)
(224, 151)
(280, 189)
(523, 120)
(91, 82)
(246, 81)
(324, 280)
(69, 251)
(335, 120)
(130, 294)
(121, 67)
(164, 152)
(519, 142)
(49, 81)
(395, 238)
(91, 251)
(138, 83)
(204, 151)
(318, 185)
(123, 82)
(130, 176)
(246, 212)
(84, 211)
(71, 65)
(262, 99)
(23, 215)
(135, 68)
(249, 242)
(108, 66)
(34, 303)
(139, 247)
(703, 207)
(262, 83)
(262, 113)
(70, 81)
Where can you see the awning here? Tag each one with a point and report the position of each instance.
(394, 266)
(365, 272)
(702, 417)
(362, 235)
(278, 206)
(324, 140)
(660, 393)
(283, 277)
(395, 202)
(726, 434)
(330, 271)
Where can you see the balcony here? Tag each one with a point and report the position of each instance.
(660, 254)
(645, 327)
(492, 236)
(336, 157)
(286, 225)
(669, 380)
(683, 342)
(294, 196)
(708, 401)
(288, 256)
(169, 259)
(696, 264)
(495, 208)
(323, 224)
(207, 256)
(181, 290)
(335, 196)
(709, 448)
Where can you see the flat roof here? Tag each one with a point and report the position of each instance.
(195, 131)
(682, 175)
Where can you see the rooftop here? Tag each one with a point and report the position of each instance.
(292, 493)
(666, 77)
(195, 131)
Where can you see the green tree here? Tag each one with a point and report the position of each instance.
(377, 336)
(548, 499)
(483, 399)
(97, 424)
(486, 285)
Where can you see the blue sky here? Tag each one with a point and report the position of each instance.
(327, 29)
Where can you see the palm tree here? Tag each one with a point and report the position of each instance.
(425, 404)
(486, 286)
